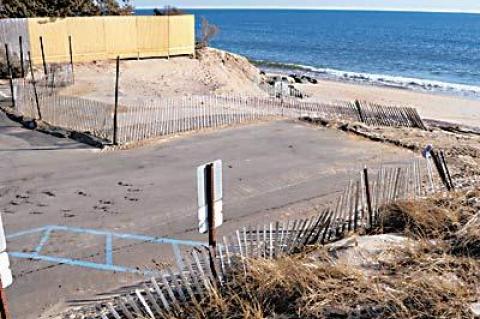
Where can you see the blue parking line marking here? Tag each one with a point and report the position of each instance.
(26, 232)
(82, 263)
(157, 240)
(108, 250)
(47, 230)
(178, 256)
(43, 241)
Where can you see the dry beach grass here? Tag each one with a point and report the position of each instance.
(434, 274)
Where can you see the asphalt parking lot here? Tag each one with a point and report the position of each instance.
(76, 216)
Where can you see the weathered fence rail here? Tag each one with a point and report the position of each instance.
(64, 111)
(368, 113)
(357, 209)
(173, 115)
(182, 114)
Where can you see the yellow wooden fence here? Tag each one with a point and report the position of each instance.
(99, 38)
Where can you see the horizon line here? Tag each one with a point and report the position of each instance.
(412, 10)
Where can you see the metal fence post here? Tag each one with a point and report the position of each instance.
(34, 86)
(440, 169)
(43, 57)
(368, 195)
(70, 48)
(22, 58)
(10, 74)
(447, 171)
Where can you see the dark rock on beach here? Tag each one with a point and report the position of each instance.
(303, 79)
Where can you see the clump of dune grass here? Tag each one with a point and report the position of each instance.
(422, 282)
(439, 216)
(451, 219)
(419, 219)
(434, 276)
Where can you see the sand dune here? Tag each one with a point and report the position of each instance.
(213, 72)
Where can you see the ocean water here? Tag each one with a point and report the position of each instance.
(437, 52)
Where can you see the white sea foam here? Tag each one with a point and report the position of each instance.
(376, 79)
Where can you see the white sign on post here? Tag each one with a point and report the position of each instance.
(202, 196)
(5, 272)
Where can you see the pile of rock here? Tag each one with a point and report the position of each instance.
(303, 79)
(282, 85)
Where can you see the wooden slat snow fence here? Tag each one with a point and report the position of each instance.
(174, 115)
(368, 113)
(69, 112)
(357, 210)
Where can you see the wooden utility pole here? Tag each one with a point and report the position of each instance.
(359, 109)
(115, 115)
(70, 48)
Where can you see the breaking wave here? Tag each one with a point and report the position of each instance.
(399, 82)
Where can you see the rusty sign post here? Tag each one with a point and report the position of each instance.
(209, 198)
(210, 204)
(210, 195)
(4, 312)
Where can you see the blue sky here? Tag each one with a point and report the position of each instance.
(410, 5)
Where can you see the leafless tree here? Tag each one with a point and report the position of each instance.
(208, 32)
